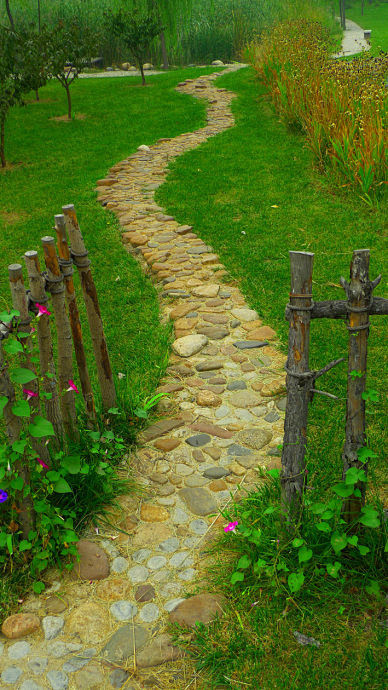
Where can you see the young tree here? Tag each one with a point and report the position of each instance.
(12, 82)
(69, 48)
(342, 7)
(9, 13)
(137, 29)
(35, 58)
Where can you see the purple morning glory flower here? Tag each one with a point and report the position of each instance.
(3, 496)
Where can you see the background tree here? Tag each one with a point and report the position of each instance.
(342, 7)
(169, 12)
(69, 48)
(9, 13)
(12, 81)
(35, 58)
(137, 29)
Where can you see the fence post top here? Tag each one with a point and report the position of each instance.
(291, 253)
(15, 270)
(30, 254)
(68, 207)
(47, 239)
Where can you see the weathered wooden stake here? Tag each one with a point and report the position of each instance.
(299, 384)
(13, 427)
(65, 349)
(79, 255)
(20, 302)
(47, 365)
(359, 298)
(66, 266)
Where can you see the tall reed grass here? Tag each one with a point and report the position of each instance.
(341, 106)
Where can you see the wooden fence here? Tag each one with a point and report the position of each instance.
(359, 305)
(56, 284)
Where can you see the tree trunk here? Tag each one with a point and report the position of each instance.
(64, 340)
(39, 16)
(68, 101)
(143, 81)
(299, 384)
(359, 293)
(2, 146)
(37, 94)
(66, 266)
(80, 257)
(47, 365)
(10, 17)
(164, 50)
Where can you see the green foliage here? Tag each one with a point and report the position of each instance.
(137, 29)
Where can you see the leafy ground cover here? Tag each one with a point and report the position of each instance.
(55, 162)
(253, 194)
(375, 17)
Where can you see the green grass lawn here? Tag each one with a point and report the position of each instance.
(375, 17)
(253, 194)
(55, 163)
(60, 163)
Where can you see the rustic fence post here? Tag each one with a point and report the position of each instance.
(299, 384)
(65, 350)
(13, 427)
(66, 266)
(47, 365)
(79, 255)
(20, 302)
(359, 300)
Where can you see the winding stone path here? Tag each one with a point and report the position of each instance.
(353, 41)
(222, 419)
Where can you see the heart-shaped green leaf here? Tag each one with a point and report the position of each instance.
(244, 562)
(297, 542)
(304, 554)
(236, 577)
(62, 487)
(41, 427)
(21, 408)
(323, 527)
(12, 347)
(72, 463)
(295, 581)
(333, 568)
(22, 375)
(338, 541)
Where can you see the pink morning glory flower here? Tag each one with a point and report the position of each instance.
(3, 496)
(42, 463)
(42, 309)
(231, 527)
(29, 394)
(72, 386)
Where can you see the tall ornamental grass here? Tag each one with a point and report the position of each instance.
(341, 106)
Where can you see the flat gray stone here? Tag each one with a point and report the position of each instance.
(245, 399)
(244, 314)
(38, 665)
(198, 500)
(59, 648)
(30, 685)
(222, 411)
(235, 449)
(11, 675)
(169, 545)
(121, 645)
(209, 365)
(216, 472)
(214, 332)
(123, 610)
(180, 517)
(272, 416)
(79, 661)
(199, 527)
(19, 650)
(187, 575)
(172, 604)
(58, 680)
(52, 626)
(198, 440)
(236, 386)
(281, 404)
(235, 323)
(137, 574)
(189, 345)
(195, 481)
(255, 438)
(249, 344)
(149, 613)
(181, 558)
(141, 555)
(118, 677)
(247, 461)
(119, 565)
(156, 562)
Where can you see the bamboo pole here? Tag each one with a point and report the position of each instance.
(79, 255)
(20, 302)
(359, 297)
(66, 266)
(47, 365)
(65, 350)
(299, 384)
